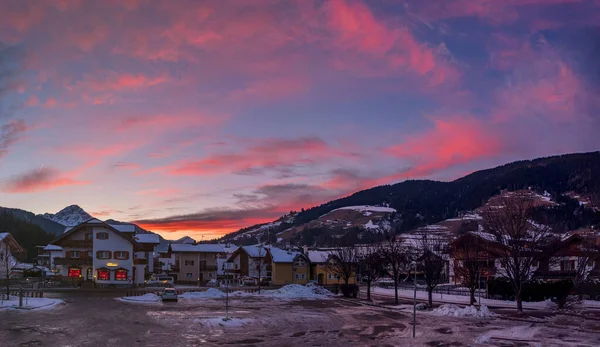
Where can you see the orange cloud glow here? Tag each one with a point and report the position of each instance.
(40, 180)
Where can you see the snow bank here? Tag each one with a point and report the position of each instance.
(146, 298)
(294, 291)
(469, 311)
(518, 333)
(30, 303)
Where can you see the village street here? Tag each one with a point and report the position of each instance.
(104, 321)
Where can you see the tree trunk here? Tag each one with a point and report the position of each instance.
(430, 296)
(368, 290)
(519, 301)
(472, 299)
(396, 291)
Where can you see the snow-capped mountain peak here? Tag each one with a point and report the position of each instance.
(69, 216)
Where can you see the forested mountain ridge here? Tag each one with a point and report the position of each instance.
(423, 202)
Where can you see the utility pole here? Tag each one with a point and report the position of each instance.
(415, 303)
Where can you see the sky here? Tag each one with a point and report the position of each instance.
(201, 117)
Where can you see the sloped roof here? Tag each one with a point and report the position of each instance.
(147, 238)
(53, 248)
(92, 221)
(13, 244)
(203, 247)
(283, 256)
(318, 256)
(255, 251)
(124, 228)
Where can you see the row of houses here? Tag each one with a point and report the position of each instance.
(575, 255)
(191, 263)
(103, 255)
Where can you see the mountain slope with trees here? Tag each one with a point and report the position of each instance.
(422, 202)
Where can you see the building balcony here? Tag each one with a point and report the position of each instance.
(208, 268)
(72, 261)
(76, 243)
(140, 261)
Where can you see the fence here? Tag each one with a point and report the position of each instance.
(181, 291)
(443, 289)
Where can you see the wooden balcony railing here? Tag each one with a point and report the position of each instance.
(208, 268)
(76, 243)
(72, 261)
(140, 261)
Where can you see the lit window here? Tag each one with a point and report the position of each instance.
(123, 255)
(102, 236)
(103, 254)
(121, 275)
(103, 275)
(74, 272)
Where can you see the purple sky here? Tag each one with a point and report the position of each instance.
(201, 117)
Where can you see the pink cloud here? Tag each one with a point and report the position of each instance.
(40, 180)
(451, 141)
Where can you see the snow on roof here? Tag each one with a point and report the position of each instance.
(67, 229)
(147, 238)
(94, 221)
(362, 208)
(203, 247)
(3, 235)
(124, 228)
(283, 256)
(52, 248)
(318, 256)
(255, 251)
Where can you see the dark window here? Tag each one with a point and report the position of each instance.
(89, 236)
(102, 236)
(103, 254)
(121, 255)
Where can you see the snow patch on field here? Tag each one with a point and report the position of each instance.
(518, 333)
(146, 298)
(452, 310)
(30, 303)
(370, 225)
(367, 209)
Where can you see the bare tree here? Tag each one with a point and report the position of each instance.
(343, 263)
(7, 263)
(259, 263)
(430, 257)
(371, 265)
(395, 257)
(467, 266)
(523, 242)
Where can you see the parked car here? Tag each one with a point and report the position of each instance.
(248, 281)
(169, 294)
(212, 283)
(160, 279)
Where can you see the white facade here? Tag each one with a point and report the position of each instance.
(94, 252)
(6, 255)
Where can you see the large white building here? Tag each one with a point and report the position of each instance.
(106, 255)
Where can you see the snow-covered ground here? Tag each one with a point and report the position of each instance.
(216, 322)
(30, 303)
(289, 292)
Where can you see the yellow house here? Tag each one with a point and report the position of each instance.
(289, 267)
(320, 271)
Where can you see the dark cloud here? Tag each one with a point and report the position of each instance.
(10, 133)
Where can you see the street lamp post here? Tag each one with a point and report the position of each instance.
(415, 302)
